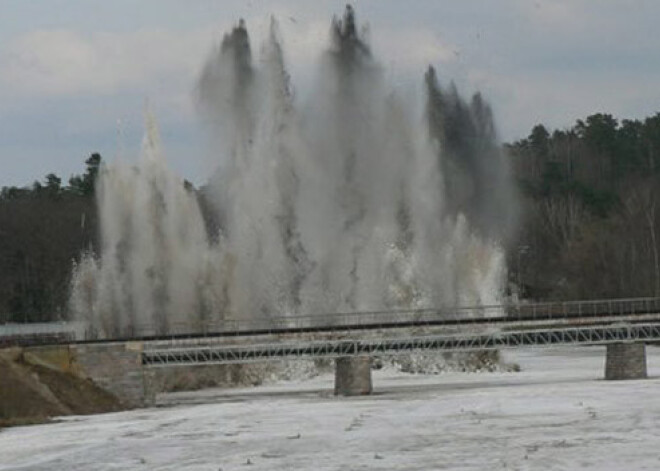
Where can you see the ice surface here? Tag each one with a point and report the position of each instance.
(556, 414)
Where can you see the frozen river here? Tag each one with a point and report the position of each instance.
(557, 413)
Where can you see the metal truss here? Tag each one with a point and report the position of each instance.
(465, 341)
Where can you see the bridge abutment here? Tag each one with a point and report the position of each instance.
(625, 361)
(117, 368)
(114, 367)
(353, 376)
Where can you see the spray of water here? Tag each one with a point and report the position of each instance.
(156, 267)
(351, 200)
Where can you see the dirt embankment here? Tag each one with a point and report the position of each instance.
(31, 393)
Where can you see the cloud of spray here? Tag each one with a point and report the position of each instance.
(349, 201)
(341, 203)
(156, 268)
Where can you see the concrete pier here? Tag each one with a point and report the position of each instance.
(625, 361)
(353, 376)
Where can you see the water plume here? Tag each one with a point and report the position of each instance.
(350, 200)
(155, 269)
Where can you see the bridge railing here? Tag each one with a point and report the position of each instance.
(13, 334)
(458, 316)
(347, 321)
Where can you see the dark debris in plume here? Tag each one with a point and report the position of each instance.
(235, 49)
(349, 44)
(238, 43)
(472, 163)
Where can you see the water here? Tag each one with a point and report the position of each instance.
(353, 199)
(156, 269)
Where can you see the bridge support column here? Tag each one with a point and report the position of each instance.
(353, 376)
(625, 361)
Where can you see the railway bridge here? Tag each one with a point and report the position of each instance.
(624, 326)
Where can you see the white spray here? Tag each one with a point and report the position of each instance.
(336, 204)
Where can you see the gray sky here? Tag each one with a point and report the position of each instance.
(75, 72)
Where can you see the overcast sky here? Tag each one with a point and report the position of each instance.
(75, 72)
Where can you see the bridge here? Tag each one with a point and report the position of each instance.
(623, 325)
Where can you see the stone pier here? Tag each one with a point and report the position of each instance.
(625, 361)
(353, 376)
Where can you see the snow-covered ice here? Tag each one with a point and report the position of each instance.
(557, 413)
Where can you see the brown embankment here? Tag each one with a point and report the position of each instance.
(32, 393)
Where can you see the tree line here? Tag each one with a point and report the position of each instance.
(43, 228)
(589, 226)
(591, 219)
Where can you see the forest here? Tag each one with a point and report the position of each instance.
(588, 224)
(589, 195)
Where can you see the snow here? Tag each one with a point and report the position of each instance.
(557, 413)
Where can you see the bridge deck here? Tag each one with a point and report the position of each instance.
(500, 316)
(509, 325)
(465, 341)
